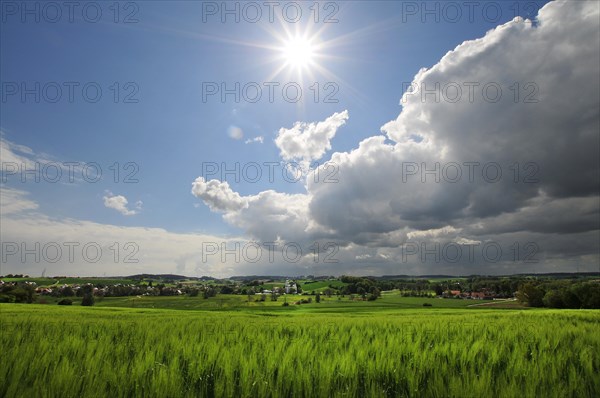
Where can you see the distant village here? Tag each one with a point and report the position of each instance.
(254, 287)
(581, 290)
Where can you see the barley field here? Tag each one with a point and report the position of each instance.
(73, 351)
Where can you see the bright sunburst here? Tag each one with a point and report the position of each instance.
(298, 52)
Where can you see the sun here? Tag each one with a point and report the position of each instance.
(299, 52)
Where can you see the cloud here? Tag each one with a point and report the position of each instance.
(14, 153)
(140, 250)
(15, 201)
(258, 139)
(555, 140)
(309, 141)
(557, 58)
(217, 195)
(432, 233)
(32, 240)
(546, 151)
(21, 163)
(235, 132)
(119, 203)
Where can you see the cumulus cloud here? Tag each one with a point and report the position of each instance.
(553, 122)
(268, 216)
(309, 141)
(554, 140)
(217, 195)
(119, 203)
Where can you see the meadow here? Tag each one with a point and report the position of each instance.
(298, 351)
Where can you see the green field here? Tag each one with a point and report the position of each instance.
(312, 350)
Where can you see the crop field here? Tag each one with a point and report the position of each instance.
(412, 352)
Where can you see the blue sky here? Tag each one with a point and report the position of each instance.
(168, 57)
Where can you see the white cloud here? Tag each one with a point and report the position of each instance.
(14, 153)
(309, 141)
(21, 163)
(119, 203)
(465, 241)
(258, 139)
(432, 233)
(235, 132)
(126, 250)
(15, 201)
(217, 195)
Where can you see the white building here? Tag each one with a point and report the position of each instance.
(290, 287)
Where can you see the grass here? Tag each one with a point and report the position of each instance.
(438, 352)
(319, 286)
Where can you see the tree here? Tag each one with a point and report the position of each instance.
(589, 294)
(227, 289)
(88, 300)
(531, 295)
(318, 298)
(362, 291)
(553, 299)
(23, 293)
(67, 291)
(570, 299)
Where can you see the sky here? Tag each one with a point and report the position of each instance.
(300, 138)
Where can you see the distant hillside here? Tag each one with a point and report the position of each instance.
(160, 276)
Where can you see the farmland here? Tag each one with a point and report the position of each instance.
(230, 302)
(388, 348)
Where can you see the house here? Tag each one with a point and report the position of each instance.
(451, 293)
(477, 295)
(290, 287)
